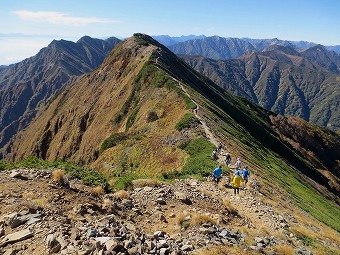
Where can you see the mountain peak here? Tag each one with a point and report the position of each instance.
(283, 49)
(34, 81)
(85, 38)
(144, 39)
(316, 48)
(327, 59)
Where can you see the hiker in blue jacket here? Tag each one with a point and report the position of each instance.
(217, 174)
(245, 175)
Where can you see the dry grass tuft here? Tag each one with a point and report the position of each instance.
(33, 198)
(29, 195)
(180, 218)
(112, 182)
(198, 219)
(231, 209)
(225, 250)
(284, 249)
(42, 202)
(98, 190)
(37, 202)
(188, 218)
(183, 217)
(251, 233)
(122, 194)
(58, 176)
(139, 183)
(207, 193)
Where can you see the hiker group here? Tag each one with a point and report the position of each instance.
(239, 175)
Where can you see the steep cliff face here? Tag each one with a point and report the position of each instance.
(30, 84)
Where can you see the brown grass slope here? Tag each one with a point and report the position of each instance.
(27, 86)
(77, 122)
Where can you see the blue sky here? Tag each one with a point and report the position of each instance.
(26, 26)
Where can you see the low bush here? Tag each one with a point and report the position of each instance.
(112, 141)
(132, 118)
(33, 162)
(139, 39)
(185, 224)
(121, 194)
(58, 176)
(87, 175)
(187, 121)
(2, 165)
(152, 116)
(172, 175)
(98, 190)
(124, 182)
(145, 182)
(199, 162)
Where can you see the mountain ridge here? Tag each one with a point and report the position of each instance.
(208, 47)
(280, 79)
(258, 44)
(27, 85)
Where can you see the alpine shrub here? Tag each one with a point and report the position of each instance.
(112, 141)
(187, 121)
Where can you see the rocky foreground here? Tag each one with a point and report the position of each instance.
(39, 216)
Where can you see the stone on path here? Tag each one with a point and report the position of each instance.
(16, 237)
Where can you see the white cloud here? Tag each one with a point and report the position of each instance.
(58, 18)
(16, 48)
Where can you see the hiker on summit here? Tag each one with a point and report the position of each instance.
(245, 175)
(217, 174)
(236, 183)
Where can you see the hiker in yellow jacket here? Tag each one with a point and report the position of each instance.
(236, 183)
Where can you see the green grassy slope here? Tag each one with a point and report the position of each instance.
(249, 126)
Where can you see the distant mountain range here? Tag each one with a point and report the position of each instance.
(303, 84)
(217, 47)
(178, 44)
(291, 78)
(29, 85)
(170, 40)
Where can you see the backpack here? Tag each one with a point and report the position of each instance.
(238, 164)
(214, 155)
